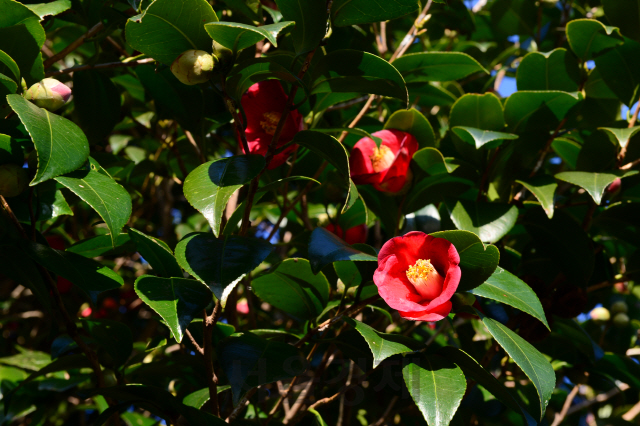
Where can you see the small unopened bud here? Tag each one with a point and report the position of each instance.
(193, 67)
(619, 306)
(621, 320)
(49, 94)
(13, 180)
(614, 186)
(600, 314)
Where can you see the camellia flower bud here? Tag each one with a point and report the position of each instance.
(13, 180)
(49, 94)
(600, 314)
(621, 320)
(193, 67)
(619, 306)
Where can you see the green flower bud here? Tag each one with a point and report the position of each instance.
(13, 180)
(621, 320)
(193, 67)
(49, 94)
(600, 314)
(619, 306)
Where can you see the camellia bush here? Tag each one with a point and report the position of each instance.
(319, 212)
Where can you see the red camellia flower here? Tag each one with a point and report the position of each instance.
(387, 167)
(354, 235)
(417, 275)
(263, 105)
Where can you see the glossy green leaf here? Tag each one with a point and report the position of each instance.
(620, 70)
(472, 369)
(220, 262)
(319, 420)
(250, 361)
(157, 253)
(61, 145)
(237, 36)
(356, 71)
(478, 111)
(310, 17)
(434, 189)
(47, 202)
(437, 66)
(544, 188)
(355, 12)
(477, 261)
(102, 245)
(555, 70)
(620, 136)
(11, 65)
(437, 386)
(568, 150)
(413, 122)
(489, 221)
(513, 17)
(167, 28)
(108, 198)
(624, 14)
(200, 397)
(328, 148)
(506, 288)
(480, 138)
(27, 359)
(177, 300)
(596, 88)
(293, 288)
(521, 108)
(593, 183)
(383, 345)
(326, 248)
(53, 8)
(210, 185)
(97, 103)
(113, 337)
(348, 273)
(89, 275)
(588, 37)
(7, 87)
(431, 161)
(528, 358)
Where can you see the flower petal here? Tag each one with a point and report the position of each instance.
(435, 314)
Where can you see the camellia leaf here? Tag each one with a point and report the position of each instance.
(348, 273)
(544, 188)
(325, 248)
(328, 148)
(97, 103)
(624, 14)
(383, 345)
(237, 36)
(555, 70)
(621, 136)
(568, 150)
(113, 337)
(167, 28)
(355, 12)
(50, 9)
(413, 122)
(478, 111)
(220, 262)
(437, 386)
(250, 361)
(19, 267)
(61, 145)
(356, 71)
(210, 185)
(593, 183)
(89, 275)
(480, 138)
(437, 66)
(434, 189)
(110, 200)
(477, 262)
(506, 288)
(176, 300)
(431, 161)
(528, 358)
(11, 65)
(490, 221)
(520, 108)
(588, 37)
(102, 244)
(311, 22)
(200, 397)
(620, 70)
(157, 253)
(293, 288)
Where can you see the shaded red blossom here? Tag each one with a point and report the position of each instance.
(353, 235)
(263, 105)
(417, 275)
(387, 167)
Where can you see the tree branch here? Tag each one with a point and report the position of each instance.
(73, 46)
(122, 64)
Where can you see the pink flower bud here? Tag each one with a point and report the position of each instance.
(49, 94)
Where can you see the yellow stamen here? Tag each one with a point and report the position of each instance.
(382, 158)
(426, 280)
(271, 122)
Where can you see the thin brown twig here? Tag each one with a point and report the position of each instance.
(74, 45)
(565, 407)
(212, 380)
(194, 343)
(632, 122)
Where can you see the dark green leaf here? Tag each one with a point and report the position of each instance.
(157, 253)
(276, 185)
(108, 198)
(293, 288)
(210, 185)
(220, 262)
(47, 202)
(87, 274)
(355, 12)
(16, 265)
(198, 398)
(620, 70)
(555, 70)
(532, 362)
(102, 244)
(176, 300)
(593, 183)
(434, 189)
(478, 111)
(11, 65)
(250, 361)
(310, 17)
(61, 145)
(490, 221)
(357, 71)
(477, 262)
(97, 103)
(113, 337)
(513, 17)
(431, 161)
(237, 36)
(437, 66)
(437, 386)
(588, 37)
(348, 273)
(506, 288)
(624, 14)
(413, 122)
(521, 108)
(621, 221)
(480, 138)
(621, 136)
(326, 248)
(568, 150)
(383, 345)
(50, 9)
(544, 188)
(167, 28)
